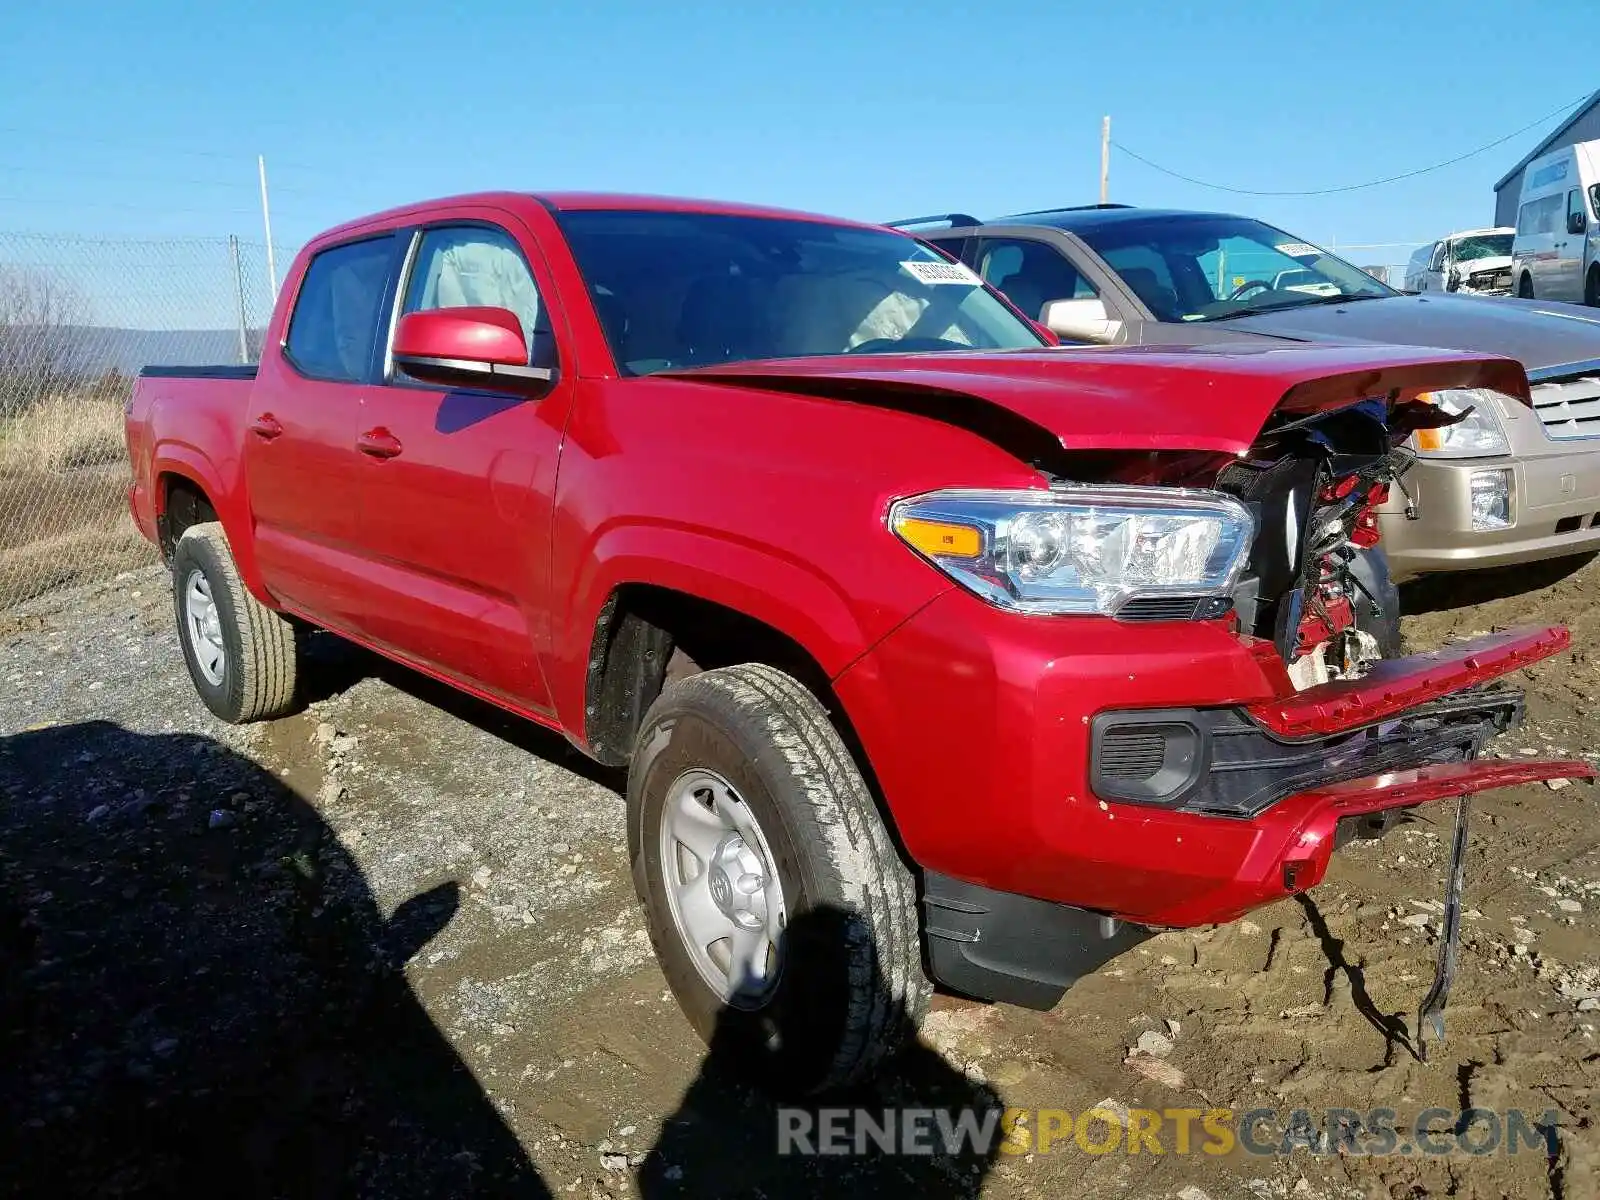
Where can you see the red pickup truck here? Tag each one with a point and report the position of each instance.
(975, 656)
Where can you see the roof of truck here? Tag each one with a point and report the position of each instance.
(583, 202)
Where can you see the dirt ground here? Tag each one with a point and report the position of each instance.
(389, 947)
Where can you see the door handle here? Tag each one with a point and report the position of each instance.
(266, 427)
(379, 443)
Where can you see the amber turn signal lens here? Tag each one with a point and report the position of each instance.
(940, 539)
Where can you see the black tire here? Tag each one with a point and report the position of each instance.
(1591, 287)
(1525, 287)
(1371, 569)
(261, 649)
(850, 990)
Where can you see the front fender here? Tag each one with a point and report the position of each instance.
(835, 625)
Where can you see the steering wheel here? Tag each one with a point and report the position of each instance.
(1249, 285)
(907, 345)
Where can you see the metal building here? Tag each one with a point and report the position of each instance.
(1582, 126)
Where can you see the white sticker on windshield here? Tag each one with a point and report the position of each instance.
(1296, 249)
(941, 272)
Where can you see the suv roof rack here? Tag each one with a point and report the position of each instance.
(952, 219)
(1082, 207)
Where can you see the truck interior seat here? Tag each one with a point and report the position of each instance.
(1162, 301)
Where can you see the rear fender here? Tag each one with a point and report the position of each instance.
(175, 460)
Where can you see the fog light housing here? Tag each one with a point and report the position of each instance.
(1491, 499)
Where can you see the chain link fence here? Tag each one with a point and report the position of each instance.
(78, 318)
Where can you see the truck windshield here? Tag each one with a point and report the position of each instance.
(1482, 245)
(685, 289)
(1210, 268)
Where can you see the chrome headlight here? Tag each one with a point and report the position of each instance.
(1079, 549)
(1479, 436)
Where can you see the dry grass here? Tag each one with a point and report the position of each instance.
(86, 554)
(63, 498)
(64, 433)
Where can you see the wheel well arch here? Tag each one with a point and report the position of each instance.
(181, 502)
(647, 635)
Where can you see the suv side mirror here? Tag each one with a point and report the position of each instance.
(1082, 320)
(475, 346)
(1576, 222)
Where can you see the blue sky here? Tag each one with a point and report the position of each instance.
(146, 118)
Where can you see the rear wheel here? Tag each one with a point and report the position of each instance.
(1525, 287)
(780, 912)
(242, 656)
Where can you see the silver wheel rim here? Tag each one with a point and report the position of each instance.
(204, 627)
(722, 888)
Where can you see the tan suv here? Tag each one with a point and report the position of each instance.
(1506, 485)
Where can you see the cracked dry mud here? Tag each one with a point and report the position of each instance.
(137, 829)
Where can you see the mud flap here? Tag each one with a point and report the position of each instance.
(1431, 1015)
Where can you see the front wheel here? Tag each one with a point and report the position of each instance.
(780, 912)
(1371, 570)
(1591, 287)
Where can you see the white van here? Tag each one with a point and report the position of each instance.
(1556, 253)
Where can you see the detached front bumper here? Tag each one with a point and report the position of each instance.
(982, 727)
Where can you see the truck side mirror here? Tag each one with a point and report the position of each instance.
(472, 346)
(1084, 320)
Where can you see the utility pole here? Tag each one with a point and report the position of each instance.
(266, 221)
(1105, 160)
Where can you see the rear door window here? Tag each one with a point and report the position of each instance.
(334, 325)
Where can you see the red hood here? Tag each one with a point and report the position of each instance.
(1139, 398)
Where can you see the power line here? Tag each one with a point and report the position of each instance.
(1354, 187)
(101, 140)
(247, 180)
(39, 202)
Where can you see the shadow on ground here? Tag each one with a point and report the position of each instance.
(334, 665)
(1464, 589)
(919, 1128)
(200, 996)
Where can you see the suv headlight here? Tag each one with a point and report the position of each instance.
(1479, 436)
(1079, 549)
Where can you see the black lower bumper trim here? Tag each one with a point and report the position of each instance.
(1220, 762)
(1015, 949)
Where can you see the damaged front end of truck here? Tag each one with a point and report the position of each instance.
(1243, 802)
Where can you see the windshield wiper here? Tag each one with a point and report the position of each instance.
(1307, 302)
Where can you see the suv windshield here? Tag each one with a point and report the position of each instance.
(687, 289)
(1209, 268)
(1483, 245)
